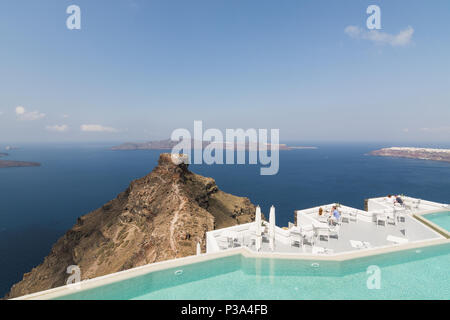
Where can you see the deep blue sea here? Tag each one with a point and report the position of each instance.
(39, 204)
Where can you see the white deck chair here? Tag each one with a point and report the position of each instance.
(416, 204)
(296, 237)
(391, 218)
(306, 228)
(307, 232)
(345, 216)
(354, 215)
(349, 216)
(334, 231)
(223, 243)
(400, 214)
(322, 232)
(255, 241)
(381, 217)
(252, 229)
(308, 237)
(413, 204)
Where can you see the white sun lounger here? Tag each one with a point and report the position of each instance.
(397, 240)
(321, 250)
(359, 244)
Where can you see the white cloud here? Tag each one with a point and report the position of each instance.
(57, 128)
(20, 110)
(402, 38)
(22, 114)
(34, 115)
(65, 116)
(96, 128)
(436, 129)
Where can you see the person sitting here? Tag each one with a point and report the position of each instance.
(335, 215)
(391, 199)
(399, 200)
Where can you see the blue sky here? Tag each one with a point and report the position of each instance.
(138, 69)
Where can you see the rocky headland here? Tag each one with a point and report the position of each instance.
(158, 217)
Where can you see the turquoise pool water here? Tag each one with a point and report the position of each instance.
(412, 274)
(442, 219)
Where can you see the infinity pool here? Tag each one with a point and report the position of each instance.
(412, 274)
(442, 219)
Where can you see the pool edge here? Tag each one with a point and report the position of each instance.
(245, 252)
(421, 217)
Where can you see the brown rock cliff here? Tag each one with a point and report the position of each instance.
(160, 216)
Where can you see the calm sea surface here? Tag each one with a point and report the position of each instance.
(38, 204)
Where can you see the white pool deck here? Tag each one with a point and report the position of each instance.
(358, 230)
(414, 228)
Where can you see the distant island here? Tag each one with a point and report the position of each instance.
(414, 153)
(168, 144)
(12, 163)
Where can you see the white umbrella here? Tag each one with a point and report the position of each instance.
(258, 228)
(258, 221)
(272, 228)
(199, 249)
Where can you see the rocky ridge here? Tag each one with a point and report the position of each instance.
(158, 217)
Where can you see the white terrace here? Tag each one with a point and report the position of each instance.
(412, 205)
(385, 224)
